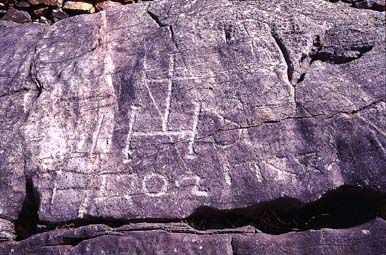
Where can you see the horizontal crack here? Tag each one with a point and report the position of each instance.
(14, 92)
(326, 116)
(334, 210)
(345, 207)
(363, 4)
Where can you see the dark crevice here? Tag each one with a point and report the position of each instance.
(28, 219)
(156, 19)
(172, 36)
(345, 207)
(336, 57)
(29, 223)
(73, 241)
(227, 33)
(161, 24)
(334, 54)
(34, 77)
(234, 246)
(285, 53)
(301, 78)
(363, 4)
(111, 222)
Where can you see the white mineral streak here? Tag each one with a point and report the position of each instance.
(192, 138)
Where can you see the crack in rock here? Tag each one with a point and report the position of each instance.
(375, 5)
(334, 210)
(345, 207)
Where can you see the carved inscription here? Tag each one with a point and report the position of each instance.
(164, 116)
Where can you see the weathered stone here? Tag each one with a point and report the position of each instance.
(18, 16)
(47, 2)
(368, 4)
(173, 120)
(79, 7)
(42, 11)
(104, 5)
(58, 14)
(366, 239)
(6, 230)
(17, 87)
(22, 4)
(99, 239)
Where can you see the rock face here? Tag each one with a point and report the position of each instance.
(147, 112)
(180, 239)
(50, 11)
(68, 7)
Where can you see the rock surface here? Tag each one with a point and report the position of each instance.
(79, 7)
(180, 239)
(147, 112)
(16, 10)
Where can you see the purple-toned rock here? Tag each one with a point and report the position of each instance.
(18, 16)
(58, 14)
(168, 239)
(365, 239)
(204, 109)
(378, 5)
(104, 5)
(17, 97)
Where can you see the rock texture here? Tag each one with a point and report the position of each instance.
(180, 239)
(147, 112)
(50, 11)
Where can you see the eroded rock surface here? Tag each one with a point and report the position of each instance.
(50, 11)
(149, 111)
(181, 239)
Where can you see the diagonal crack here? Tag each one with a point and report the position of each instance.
(156, 19)
(33, 70)
(34, 75)
(160, 24)
(326, 116)
(285, 53)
